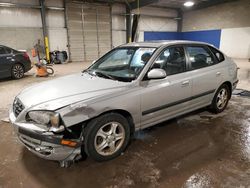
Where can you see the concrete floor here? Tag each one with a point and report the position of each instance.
(196, 150)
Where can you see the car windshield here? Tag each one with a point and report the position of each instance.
(123, 64)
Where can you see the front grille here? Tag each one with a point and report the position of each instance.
(17, 107)
(36, 145)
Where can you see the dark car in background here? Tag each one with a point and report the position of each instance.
(13, 63)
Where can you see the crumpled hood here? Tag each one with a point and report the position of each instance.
(69, 89)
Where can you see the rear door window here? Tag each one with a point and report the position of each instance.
(199, 57)
(2, 51)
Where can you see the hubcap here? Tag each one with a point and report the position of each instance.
(18, 71)
(222, 98)
(109, 138)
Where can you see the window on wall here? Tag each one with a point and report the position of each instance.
(199, 57)
(172, 60)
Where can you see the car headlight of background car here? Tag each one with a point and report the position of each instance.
(44, 117)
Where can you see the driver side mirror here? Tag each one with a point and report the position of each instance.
(156, 74)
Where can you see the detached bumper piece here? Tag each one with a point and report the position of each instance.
(51, 146)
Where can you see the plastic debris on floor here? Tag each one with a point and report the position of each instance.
(241, 92)
(6, 120)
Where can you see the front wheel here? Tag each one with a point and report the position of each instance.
(106, 137)
(220, 99)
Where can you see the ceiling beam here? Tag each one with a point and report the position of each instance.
(141, 3)
(166, 7)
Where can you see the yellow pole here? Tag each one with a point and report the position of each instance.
(46, 41)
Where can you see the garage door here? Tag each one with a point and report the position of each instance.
(89, 30)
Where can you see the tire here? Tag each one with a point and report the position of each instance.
(220, 99)
(17, 71)
(101, 143)
(50, 70)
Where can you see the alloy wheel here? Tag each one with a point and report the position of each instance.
(109, 138)
(18, 71)
(222, 98)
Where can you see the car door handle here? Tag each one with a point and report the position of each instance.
(218, 73)
(185, 83)
(8, 57)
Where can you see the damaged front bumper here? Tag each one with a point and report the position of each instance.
(47, 145)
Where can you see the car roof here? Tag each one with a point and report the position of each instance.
(4, 46)
(159, 43)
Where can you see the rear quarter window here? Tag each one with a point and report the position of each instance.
(218, 55)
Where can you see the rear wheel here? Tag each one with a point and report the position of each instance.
(220, 99)
(17, 71)
(106, 136)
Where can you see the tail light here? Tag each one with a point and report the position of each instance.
(26, 56)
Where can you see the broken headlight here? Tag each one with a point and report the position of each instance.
(44, 117)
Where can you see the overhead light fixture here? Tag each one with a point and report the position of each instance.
(189, 4)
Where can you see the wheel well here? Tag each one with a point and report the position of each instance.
(127, 115)
(77, 128)
(18, 63)
(229, 86)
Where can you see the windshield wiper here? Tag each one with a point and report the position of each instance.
(102, 74)
(89, 72)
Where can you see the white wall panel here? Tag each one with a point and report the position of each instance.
(20, 17)
(118, 25)
(152, 11)
(235, 42)
(20, 38)
(55, 18)
(155, 19)
(119, 37)
(29, 2)
(58, 39)
(154, 24)
(54, 3)
(140, 36)
(118, 22)
(157, 24)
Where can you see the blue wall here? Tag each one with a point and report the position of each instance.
(161, 35)
(209, 36)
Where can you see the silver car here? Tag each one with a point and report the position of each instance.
(132, 87)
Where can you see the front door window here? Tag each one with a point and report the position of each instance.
(172, 60)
